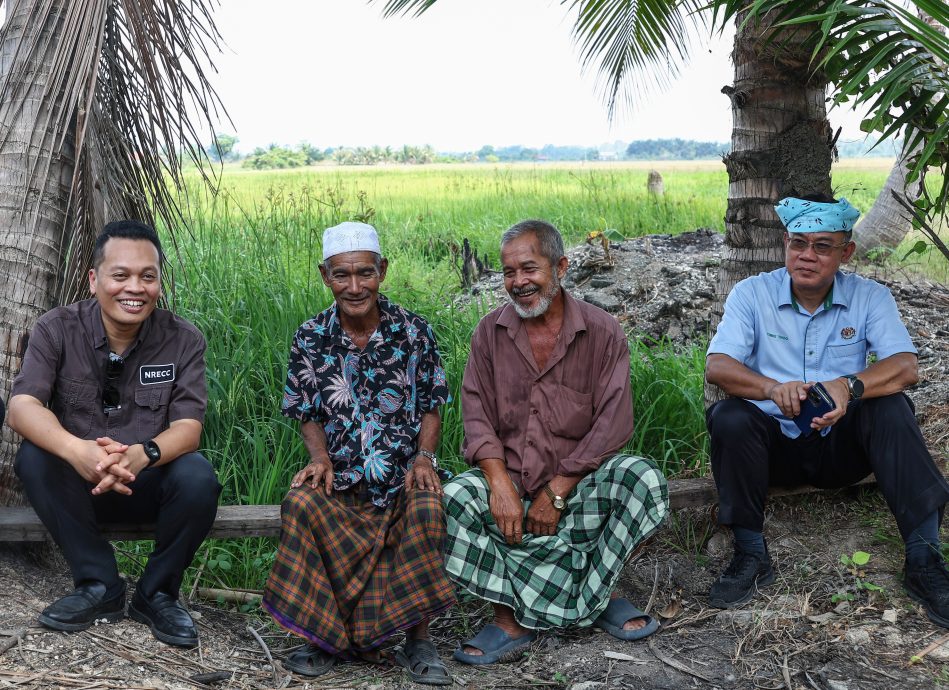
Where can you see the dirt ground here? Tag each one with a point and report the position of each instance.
(823, 625)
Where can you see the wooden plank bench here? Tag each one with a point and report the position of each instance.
(20, 524)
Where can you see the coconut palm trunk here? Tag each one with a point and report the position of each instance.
(781, 146)
(886, 223)
(33, 207)
(92, 95)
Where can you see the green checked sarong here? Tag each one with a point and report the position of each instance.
(564, 579)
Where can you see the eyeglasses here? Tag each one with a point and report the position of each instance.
(111, 400)
(822, 247)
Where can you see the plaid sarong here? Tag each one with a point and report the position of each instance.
(564, 579)
(348, 575)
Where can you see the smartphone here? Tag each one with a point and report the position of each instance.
(817, 404)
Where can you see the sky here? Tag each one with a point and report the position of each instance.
(466, 73)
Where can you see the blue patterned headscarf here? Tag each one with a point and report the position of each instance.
(800, 215)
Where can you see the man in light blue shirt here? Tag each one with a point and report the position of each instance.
(781, 333)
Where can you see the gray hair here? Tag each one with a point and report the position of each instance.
(551, 242)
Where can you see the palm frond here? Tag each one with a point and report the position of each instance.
(879, 54)
(405, 7)
(126, 77)
(635, 44)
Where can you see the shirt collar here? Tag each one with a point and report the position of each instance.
(387, 315)
(836, 295)
(100, 339)
(573, 321)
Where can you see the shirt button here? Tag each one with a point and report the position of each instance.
(526, 473)
(533, 411)
(530, 443)
(810, 352)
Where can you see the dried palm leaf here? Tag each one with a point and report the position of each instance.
(126, 98)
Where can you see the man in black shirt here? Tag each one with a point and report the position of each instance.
(110, 402)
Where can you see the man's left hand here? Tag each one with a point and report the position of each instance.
(542, 517)
(838, 390)
(423, 477)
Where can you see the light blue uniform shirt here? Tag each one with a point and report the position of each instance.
(764, 328)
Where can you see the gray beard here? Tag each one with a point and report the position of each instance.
(543, 304)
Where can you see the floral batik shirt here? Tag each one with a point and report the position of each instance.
(369, 401)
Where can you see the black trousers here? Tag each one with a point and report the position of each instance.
(180, 497)
(878, 435)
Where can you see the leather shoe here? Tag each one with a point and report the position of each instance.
(83, 607)
(167, 618)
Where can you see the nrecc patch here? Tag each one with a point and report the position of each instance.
(156, 373)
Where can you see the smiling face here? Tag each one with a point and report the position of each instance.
(354, 278)
(531, 281)
(127, 284)
(813, 273)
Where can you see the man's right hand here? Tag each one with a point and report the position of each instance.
(318, 472)
(87, 457)
(507, 509)
(789, 396)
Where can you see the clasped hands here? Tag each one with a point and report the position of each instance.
(789, 396)
(109, 464)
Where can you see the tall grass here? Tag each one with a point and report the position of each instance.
(248, 278)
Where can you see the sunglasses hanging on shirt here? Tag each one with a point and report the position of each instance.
(111, 400)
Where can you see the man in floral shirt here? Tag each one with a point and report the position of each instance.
(363, 524)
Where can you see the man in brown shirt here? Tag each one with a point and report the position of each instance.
(545, 522)
(110, 402)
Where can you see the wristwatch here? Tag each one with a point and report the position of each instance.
(430, 455)
(854, 386)
(557, 501)
(152, 451)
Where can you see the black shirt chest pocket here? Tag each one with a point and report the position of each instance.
(75, 404)
(150, 412)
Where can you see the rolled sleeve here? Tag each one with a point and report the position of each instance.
(735, 336)
(479, 404)
(886, 333)
(612, 423)
(189, 398)
(431, 381)
(301, 395)
(38, 371)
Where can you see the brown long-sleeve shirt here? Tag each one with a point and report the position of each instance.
(566, 419)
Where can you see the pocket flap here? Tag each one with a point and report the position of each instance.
(153, 398)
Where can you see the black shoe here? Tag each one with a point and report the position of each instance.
(167, 618)
(742, 578)
(928, 584)
(86, 605)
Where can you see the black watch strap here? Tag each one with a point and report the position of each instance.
(152, 451)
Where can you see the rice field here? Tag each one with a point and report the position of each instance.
(247, 277)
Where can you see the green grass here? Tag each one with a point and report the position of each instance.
(248, 278)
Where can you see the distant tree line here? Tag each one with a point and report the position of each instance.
(222, 148)
(674, 149)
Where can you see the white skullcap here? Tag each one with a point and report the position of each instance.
(350, 237)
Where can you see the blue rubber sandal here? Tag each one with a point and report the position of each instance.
(495, 645)
(614, 617)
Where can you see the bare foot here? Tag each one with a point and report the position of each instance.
(633, 624)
